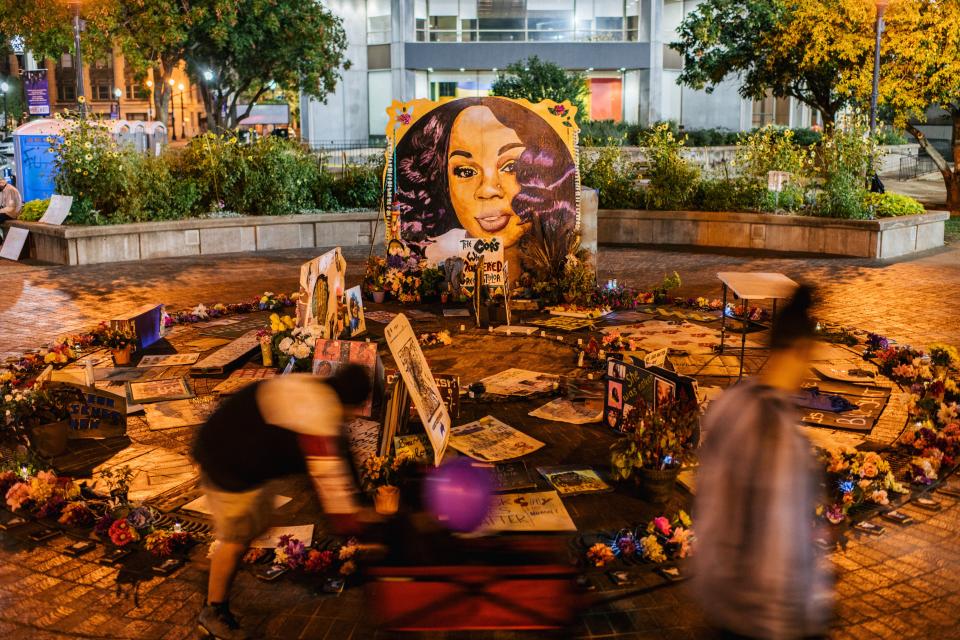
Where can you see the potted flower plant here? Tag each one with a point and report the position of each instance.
(121, 342)
(374, 280)
(658, 441)
(37, 416)
(265, 337)
(380, 477)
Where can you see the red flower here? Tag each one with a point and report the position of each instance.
(404, 118)
(559, 110)
(318, 561)
(122, 534)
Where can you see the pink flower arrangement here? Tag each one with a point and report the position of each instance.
(662, 526)
(18, 495)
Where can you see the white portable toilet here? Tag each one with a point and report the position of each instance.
(156, 136)
(139, 131)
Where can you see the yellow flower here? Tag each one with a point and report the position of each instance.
(88, 156)
(81, 99)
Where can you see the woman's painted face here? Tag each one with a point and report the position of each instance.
(481, 172)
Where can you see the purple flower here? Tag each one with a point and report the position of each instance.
(140, 518)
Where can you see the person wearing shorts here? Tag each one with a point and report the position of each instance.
(282, 426)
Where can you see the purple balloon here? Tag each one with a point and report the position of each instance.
(459, 494)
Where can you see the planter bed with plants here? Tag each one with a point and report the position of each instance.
(880, 239)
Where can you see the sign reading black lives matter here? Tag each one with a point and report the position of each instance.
(416, 375)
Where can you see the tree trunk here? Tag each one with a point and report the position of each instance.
(951, 177)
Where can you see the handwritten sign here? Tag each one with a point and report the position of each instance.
(538, 511)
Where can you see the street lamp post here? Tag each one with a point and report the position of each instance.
(149, 100)
(78, 58)
(4, 87)
(874, 96)
(173, 113)
(183, 131)
(117, 93)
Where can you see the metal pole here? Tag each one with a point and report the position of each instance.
(78, 60)
(6, 126)
(183, 131)
(173, 117)
(881, 7)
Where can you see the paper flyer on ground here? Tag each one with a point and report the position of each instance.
(564, 410)
(573, 480)
(490, 440)
(536, 511)
(520, 382)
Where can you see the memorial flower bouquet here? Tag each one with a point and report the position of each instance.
(165, 542)
(44, 494)
(855, 478)
(292, 342)
(375, 277)
(666, 539)
(24, 409)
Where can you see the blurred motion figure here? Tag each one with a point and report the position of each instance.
(757, 573)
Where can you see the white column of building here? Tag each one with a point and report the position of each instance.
(403, 31)
(655, 100)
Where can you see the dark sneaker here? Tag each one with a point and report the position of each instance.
(219, 623)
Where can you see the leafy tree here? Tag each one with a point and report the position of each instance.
(239, 50)
(745, 37)
(536, 80)
(46, 26)
(153, 35)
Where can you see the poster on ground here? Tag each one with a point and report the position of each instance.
(416, 375)
(520, 382)
(490, 440)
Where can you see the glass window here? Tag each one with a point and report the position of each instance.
(637, 20)
(764, 111)
(443, 28)
(378, 21)
(501, 21)
(66, 79)
(134, 89)
(380, 87)
(101, 80)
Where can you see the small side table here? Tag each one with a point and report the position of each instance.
(752, 286)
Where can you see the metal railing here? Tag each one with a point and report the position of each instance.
(528, 35)
(340, 153)
(913, 166)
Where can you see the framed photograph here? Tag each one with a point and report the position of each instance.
(356, 325)
(158, 390)
(615, 394)
(666, 391)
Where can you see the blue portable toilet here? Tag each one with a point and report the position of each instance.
(35, 167)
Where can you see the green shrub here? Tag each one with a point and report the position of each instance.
(34, 210)
(164, 191)
(888, 136)
(673, 180)
(890, 205)
(806, 137)
(711, 137)
(614, 177)
(772, 149)
(845, 157)
(602, 133)
(728, 194)
(790, 198)
(359, 186)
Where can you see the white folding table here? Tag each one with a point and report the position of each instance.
(756, 285)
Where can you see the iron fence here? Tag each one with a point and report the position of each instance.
(913, 166)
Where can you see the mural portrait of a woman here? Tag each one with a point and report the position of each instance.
(481, 167)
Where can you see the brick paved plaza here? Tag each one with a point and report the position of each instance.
(902, 584)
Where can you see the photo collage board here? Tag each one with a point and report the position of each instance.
(630, 387)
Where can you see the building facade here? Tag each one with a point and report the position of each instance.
(109, 87)
(407, 49)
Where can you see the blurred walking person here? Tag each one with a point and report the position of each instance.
(757, 573)
(286, 425)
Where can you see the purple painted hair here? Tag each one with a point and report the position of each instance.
(545, 171)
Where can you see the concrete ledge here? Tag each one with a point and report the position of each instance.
(146, 240)
(881, 239)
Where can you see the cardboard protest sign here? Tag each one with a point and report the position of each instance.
(241, 378)
(416, 376)
(13, 243)
(222, 358)
(449, 385)
(535, 511)
(146, 321)
(322, 284)
(58, 209)
(97, 414)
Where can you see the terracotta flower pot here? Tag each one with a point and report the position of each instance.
(658, 485)
(121, 357)
(444, 297)
(266, 350)
(387, 500)
(50, 440)
(378, 296)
